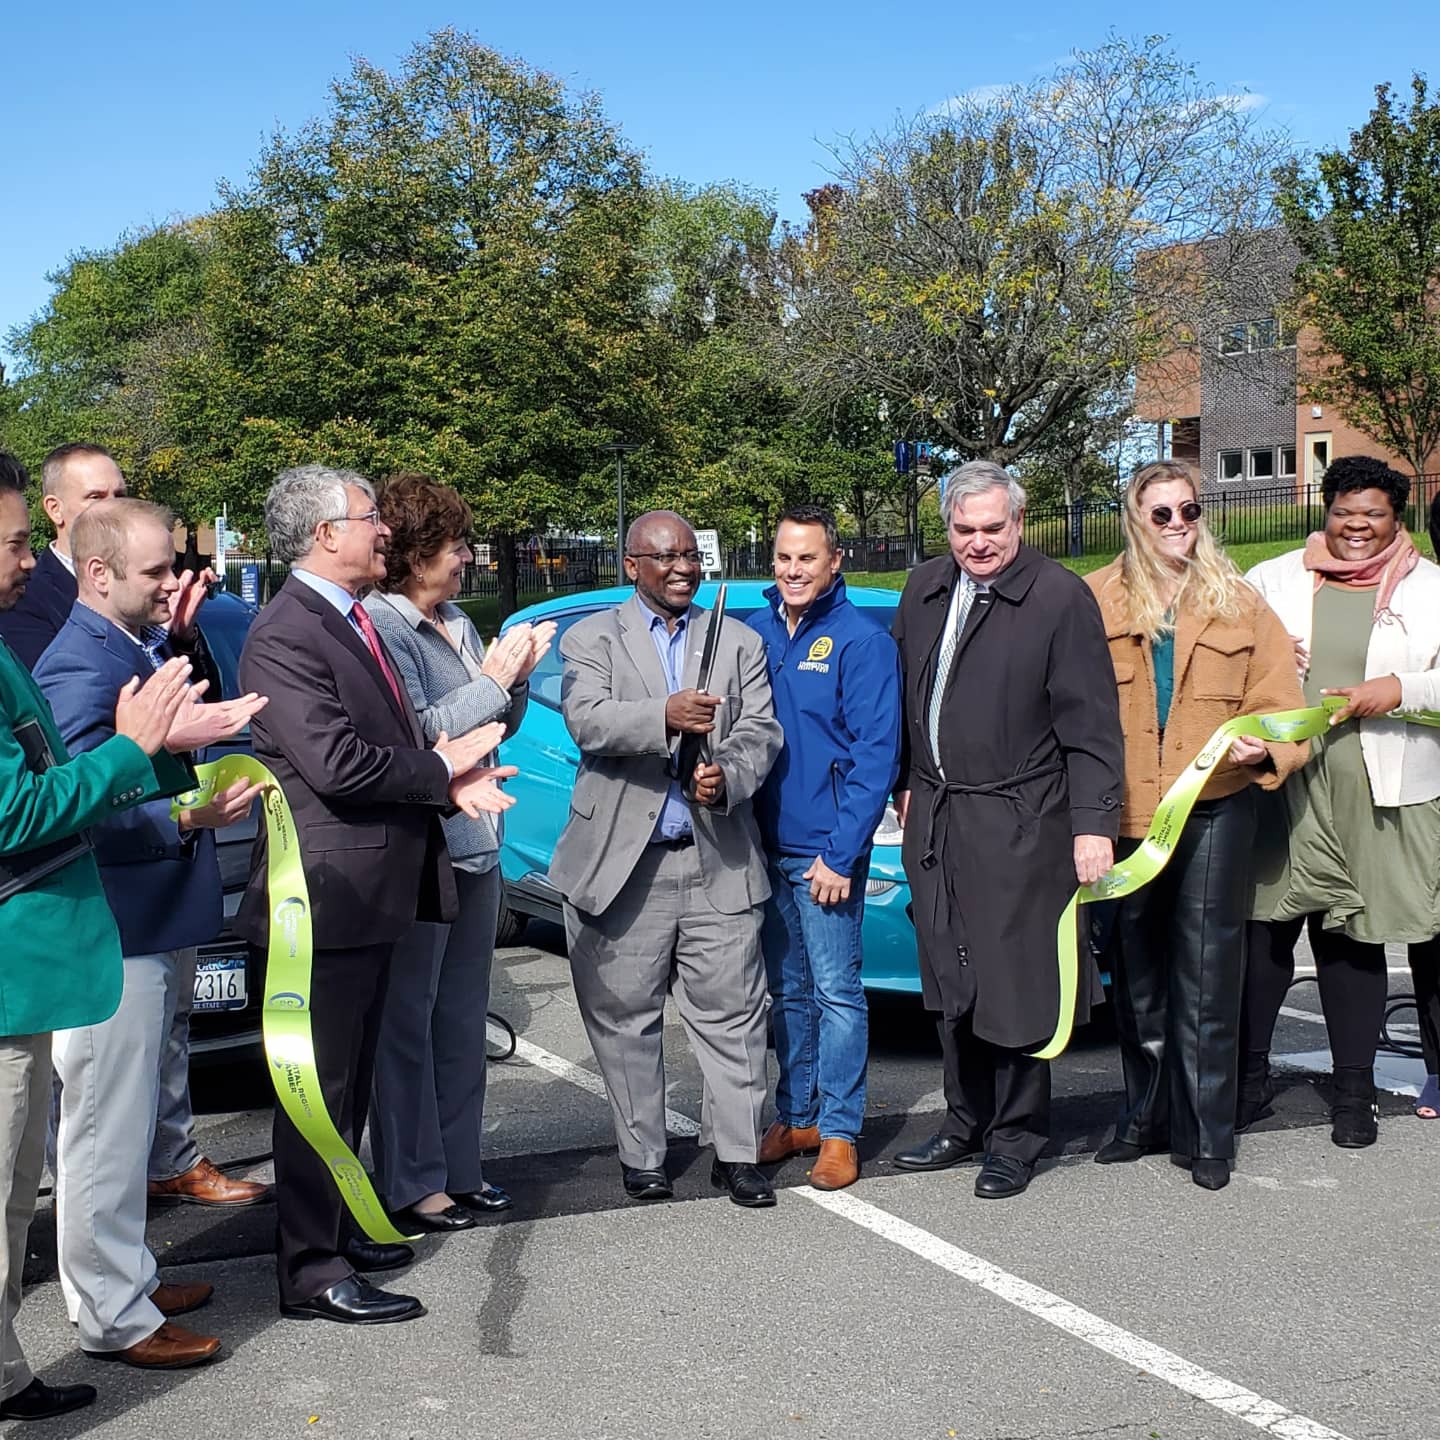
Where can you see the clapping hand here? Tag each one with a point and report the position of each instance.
(478, 792)
(466, 751)
(185, 603)
(508, 660)
(145, 713)
(542, 637)
(196, 725)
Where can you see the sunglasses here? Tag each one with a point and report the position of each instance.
(1161, 515)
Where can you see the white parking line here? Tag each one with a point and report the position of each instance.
(583, 1079)
(1232, 1399)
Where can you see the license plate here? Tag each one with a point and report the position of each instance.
(220, 983)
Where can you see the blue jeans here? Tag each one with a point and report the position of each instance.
(822, 1025)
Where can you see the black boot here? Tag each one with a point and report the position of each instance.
(1353, 1111)
(1257, 1090)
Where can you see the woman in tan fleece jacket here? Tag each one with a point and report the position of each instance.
(1193, 646)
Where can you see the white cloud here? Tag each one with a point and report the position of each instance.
(1244, 101)
(976, 95)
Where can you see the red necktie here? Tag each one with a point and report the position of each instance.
(372, 644)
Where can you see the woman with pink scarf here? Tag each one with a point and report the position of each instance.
(1352, 843)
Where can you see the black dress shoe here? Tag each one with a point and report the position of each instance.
(1122, 1152)
(371, 1255)
(746, 1183)
(452, 1217)
(939, 1152)
(1002, 1176)
(1210, 1174)
(354, 1301)
(646, 1184)
(39, 1401)
(487, 1198)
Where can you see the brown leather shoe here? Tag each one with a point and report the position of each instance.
(781, 1141)
(171, 1347)
(203, 1184)
(180, 1299)
(837, 1167)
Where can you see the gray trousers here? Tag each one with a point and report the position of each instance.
(174, 1151)
(24, 1106)
(110, 1080)
(428, 1106)
(661, 935)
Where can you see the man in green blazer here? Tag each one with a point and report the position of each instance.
(62, 951)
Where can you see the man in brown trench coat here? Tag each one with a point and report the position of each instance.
(1009, 791)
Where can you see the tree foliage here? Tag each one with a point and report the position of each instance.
(994, 267)
(1366, 223)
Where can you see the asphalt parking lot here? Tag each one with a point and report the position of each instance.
(1118, 1301)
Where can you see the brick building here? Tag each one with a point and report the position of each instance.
(1230, 404)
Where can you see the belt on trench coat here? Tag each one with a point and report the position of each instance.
(1007, 788)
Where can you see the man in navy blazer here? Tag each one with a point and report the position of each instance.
(163, 884)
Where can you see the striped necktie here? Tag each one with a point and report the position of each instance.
(954, 627)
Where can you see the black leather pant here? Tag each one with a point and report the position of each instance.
(1179, 979)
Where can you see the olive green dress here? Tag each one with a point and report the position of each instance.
(1372, 870)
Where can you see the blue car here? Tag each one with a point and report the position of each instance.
(547, 759)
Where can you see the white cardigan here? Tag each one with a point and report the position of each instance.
(1402, 760)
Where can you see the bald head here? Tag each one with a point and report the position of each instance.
(73, 478)
(662, 558)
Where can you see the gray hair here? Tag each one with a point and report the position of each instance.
(975, 477)
(301, 500)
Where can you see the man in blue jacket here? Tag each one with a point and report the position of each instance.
(836, 680)
(163, 884)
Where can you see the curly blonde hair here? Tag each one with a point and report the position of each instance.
(1210, 583)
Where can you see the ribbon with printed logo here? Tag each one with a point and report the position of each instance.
(285, 1018)
(1140, 867)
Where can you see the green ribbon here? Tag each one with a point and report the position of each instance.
(285, 1019)
(1140, 867)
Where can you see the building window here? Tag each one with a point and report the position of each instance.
(1287, 462)
(1234, 340)
(1232, 464)
(1262, 464)
(1247, 336)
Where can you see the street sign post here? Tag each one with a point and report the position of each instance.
(712, 562)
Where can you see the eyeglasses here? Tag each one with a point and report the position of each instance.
(1161, 515)
(667, 558)
(370, 517)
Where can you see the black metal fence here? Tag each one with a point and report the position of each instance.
(561, 565)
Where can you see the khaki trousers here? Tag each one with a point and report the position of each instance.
(24, 1111)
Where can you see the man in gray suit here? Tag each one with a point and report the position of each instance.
(663, 891)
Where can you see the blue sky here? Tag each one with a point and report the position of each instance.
(119, 116)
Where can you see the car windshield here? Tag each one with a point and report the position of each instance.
(545, 680)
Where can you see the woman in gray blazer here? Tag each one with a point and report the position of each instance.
(429, 1088)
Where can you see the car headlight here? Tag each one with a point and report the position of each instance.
(888, 831)
(880, 887)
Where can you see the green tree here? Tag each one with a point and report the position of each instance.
(442, 273)
(90, 362)
(1366, 223)
(991, 270)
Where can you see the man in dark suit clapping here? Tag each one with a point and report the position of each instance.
(343, 741)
